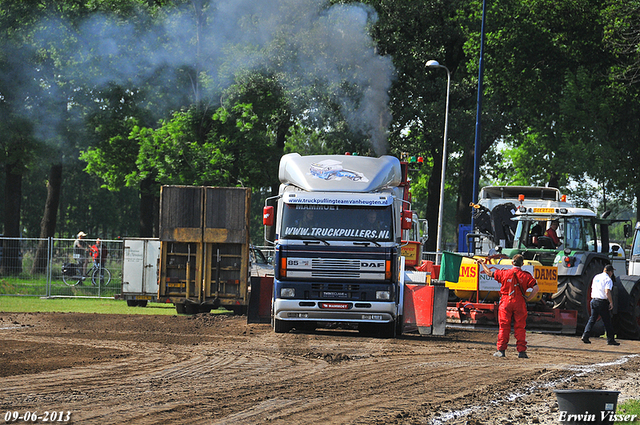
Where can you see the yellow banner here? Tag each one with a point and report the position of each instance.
(547, 278)
(468, 280)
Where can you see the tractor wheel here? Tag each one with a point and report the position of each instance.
(574, 293)
(627, 322)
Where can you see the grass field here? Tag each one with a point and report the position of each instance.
(630, 408)
(83, 305)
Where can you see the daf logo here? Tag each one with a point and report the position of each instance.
(371, 265)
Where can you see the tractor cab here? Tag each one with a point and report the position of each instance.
(576, 232)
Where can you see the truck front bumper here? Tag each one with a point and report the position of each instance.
(334, 311)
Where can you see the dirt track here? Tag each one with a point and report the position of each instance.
(111, 369)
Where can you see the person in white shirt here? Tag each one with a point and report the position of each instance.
(601, 304)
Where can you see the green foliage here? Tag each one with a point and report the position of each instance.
(146, 93)
(629, 407)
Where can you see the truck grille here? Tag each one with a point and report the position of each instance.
(334, 287)
(330, 264)
(335, 268)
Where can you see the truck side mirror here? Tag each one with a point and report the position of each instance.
(425, 231)
(407, 219)
(267, 216)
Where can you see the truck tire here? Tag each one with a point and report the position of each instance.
(385, 330)
(192, 308)
(366, 329)
(280, 326)
(132, 303)
(239, 310)
(181, 308)
(399, 325)
(142, 303)
(388, 330)
(627, 323)
(574, 292)
(306, 326)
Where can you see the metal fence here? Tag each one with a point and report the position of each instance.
(34, 267)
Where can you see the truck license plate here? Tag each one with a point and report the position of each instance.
(333, 294)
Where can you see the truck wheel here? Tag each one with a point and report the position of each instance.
(132, 303)
(574, 293)
(366, 329)
(388, 330)
(239, 310)
(181, 308)
(280, 326)
(627, 322)
(192, 308)
(399, 325)
(306, 326)
(142, 303)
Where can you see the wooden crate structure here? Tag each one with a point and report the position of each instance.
(205, 245)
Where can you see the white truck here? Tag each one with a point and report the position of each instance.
(338, 231)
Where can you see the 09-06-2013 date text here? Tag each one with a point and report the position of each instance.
(47, 416)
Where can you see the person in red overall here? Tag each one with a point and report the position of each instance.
(552, 232)
(514, 283)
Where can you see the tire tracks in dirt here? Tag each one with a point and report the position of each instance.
(219, 370)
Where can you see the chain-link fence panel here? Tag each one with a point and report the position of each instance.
(21, 273)
(52, 267)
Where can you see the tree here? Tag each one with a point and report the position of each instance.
(413, 33)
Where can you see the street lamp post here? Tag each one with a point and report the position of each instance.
(435, 64)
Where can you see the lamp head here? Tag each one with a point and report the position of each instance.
(433, 64)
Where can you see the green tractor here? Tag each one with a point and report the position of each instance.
(582, 253)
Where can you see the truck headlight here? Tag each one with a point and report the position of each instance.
(383, 295)
(287, 292)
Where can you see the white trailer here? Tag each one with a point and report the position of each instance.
(140, 271)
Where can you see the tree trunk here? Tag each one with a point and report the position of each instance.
(49, 218)
(11, 259)
(148, 209)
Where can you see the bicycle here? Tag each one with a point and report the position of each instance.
(72, 274)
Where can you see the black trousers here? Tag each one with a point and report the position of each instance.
(600, 308)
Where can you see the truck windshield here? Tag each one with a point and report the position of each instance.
(336, 222)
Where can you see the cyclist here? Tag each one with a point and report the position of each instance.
(99, 254)
(80, 251)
